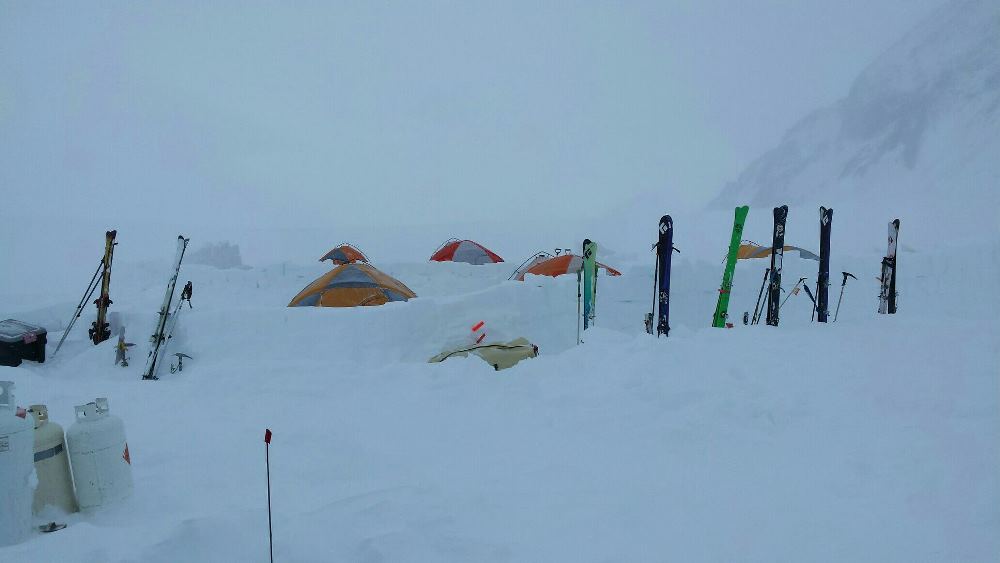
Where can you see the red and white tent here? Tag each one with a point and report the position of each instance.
(471, 252)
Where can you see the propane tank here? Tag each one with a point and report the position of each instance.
(15, 469)
(55, 486)
(98, 453)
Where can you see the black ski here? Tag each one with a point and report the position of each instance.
(823, 278)
(777, 253)
(664, 251)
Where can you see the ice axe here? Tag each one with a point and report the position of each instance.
(811, 298)
(180, 362)
(841, 298)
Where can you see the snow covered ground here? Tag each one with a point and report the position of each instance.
(873, 439)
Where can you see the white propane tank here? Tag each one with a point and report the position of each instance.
(98, 453)
(15, 468)
(55, 486)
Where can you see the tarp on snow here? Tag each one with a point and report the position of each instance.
(749, 251)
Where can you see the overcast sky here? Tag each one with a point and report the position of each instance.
(183, 114)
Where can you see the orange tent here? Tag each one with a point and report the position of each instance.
(352, 285)
(559, 265)
(345, 253)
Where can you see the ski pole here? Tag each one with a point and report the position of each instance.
(267, 461)
(812, 315)
(811, 298)
(656, 273)
(841, 298)
(593, 299)
(579, 295)
(87, 293)
(756, 308)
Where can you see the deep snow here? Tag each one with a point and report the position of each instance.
(873, 439)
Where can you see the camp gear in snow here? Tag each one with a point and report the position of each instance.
(23, 340)
(500, 355)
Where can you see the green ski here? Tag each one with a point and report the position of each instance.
(722, 307)
(589, 282)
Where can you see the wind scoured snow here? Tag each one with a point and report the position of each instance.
(873, 439)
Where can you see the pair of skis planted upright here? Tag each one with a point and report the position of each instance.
(586, 287)
(777, 257)
(887, 294)
(589, 282)
(823, 276)
(722, 305)
(99, 330)
(661, 278)
(167, 320)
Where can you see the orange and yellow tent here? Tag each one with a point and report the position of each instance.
(352, 285)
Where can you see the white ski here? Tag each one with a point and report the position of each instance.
(886, 299)
(160, 335)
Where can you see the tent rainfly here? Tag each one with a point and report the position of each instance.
(559, 265)
(345, 253)
(352, 285)
(470, 252)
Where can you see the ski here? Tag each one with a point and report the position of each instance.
(823, 278)
(722, 305)
(159, 335)
(664, 251)
(589, 282)
(777, 253)
(100, 329)
(887, 294)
